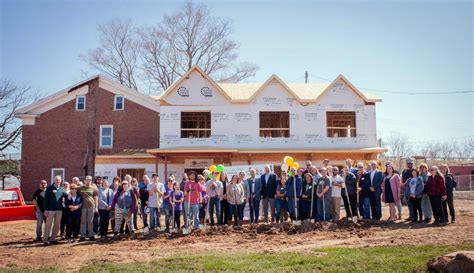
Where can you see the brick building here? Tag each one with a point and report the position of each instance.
(103, 128)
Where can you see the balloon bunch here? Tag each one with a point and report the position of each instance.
(288, 164)
(219, 168)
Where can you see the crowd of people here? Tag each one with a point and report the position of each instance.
(80, 210)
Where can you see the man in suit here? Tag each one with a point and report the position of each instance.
(253, 191)
(269, 185)
(375, 177)
(362, 180)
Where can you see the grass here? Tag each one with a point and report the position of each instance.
(373, 259)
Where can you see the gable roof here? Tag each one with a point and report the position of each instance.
(47, 103)
(246, 92)
(186, 76)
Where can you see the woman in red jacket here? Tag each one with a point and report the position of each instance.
(436, 190)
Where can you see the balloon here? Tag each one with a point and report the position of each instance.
(220, 168)
(289, 161)
(285, 158)
(290, 173)
(210, 175)
(284, 167)
(295, 165)
(212, 168)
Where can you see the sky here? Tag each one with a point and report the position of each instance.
(403, 46)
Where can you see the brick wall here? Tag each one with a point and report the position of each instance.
(65, 138)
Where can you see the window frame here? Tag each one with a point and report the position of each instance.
(115, 102)
(77, 102)
(196, 129)
(101, 145)
(350, 131)
(57, 169)
(280, 129)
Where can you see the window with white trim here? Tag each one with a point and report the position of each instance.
(119, 102)
(55, 172)
(80, 103)
(106, 136)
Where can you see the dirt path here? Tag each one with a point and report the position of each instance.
(17, 246)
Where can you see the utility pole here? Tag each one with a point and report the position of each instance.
(306, 77)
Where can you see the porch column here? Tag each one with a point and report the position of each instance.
(166, 167)
(156, 163)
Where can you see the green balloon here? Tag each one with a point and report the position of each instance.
(210, 175)
(220, 168)
(290, 173)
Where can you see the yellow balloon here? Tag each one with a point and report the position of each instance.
(296, 165)
(212, 168)
(285, 158)
(289, 161)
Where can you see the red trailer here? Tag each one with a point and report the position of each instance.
(13, 206)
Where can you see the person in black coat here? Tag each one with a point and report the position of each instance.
(269, 186)
(450, 186)
(72, 206)
(349, 193)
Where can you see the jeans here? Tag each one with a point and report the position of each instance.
(279, 206)
(52, 225)
(104, 219)
(154, 218)
(449, 203)
(87, 219)
(376, 205)
(193, 213)
(144, 216)
(266, 203)
(306, 209)
(167, 211)
(95, 223)
(364, 207)
(292, 208)
(177, 219)
(426, 206)
(215, 203)
(410, 209)
(324, 208)
(236, 211)
(40, 219)
(254, 210)
(63, 223)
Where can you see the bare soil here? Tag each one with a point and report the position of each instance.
(17, 246)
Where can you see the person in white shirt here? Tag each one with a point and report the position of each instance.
(214, 190)
(337, 183)
(156, 190)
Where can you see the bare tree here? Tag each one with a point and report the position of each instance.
(399, 146)
(159, 55)
(434, 150)
(12, 97)
(118, 53)
(447, 149)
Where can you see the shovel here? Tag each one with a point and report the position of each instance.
(354, 218)
(312, 202)
(173, 229)
(296, 222)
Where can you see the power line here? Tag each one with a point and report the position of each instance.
(403, 93)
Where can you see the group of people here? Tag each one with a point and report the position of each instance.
(80, 210)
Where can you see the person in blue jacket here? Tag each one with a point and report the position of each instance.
(414, 192)
(295, 181)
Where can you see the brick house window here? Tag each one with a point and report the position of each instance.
(341, 124)
(195, 124)
(80, 103)
(274, 124)
(55, 172)
(106, 136)
(119, 102)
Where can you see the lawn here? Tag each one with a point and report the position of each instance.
(374, 259)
